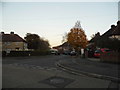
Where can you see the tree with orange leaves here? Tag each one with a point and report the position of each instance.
(76, 37)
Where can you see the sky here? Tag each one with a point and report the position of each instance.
(51, 20)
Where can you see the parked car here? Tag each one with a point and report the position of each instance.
(66, 52)
(55, 52)
(73, 53)
(99, 51)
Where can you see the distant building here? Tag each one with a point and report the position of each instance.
(12, 41)
(64, 47)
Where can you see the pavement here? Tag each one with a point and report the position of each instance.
(92, 67)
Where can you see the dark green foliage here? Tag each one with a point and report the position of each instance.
(32, 41)
(25, 53)
(3, 53)
(18, 53)
(36, 43)
(43, 45)
(39, 53)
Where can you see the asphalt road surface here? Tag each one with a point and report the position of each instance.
(15, 67)
(41, 61)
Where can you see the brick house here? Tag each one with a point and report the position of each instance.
(12, 42)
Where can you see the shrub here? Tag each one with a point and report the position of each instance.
(25, 53)
(3, 53)
(18, 53)
(39, 53)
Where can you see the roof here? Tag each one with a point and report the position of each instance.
(11, 38)
(114, 30)
(109, 32)
(117, 29)
(94, 39)
(65, 44)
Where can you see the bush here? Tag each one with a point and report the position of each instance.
(3, 53)
(25, 53)
(39, 53)
(18, 53)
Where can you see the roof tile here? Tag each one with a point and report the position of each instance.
(11, 38)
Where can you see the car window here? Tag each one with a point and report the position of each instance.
(97, 51)
(107, 50)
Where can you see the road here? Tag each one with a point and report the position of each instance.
(93, 68)
(27, 72)
(40, 61)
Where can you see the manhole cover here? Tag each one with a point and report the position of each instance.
(59, 82)
(56, 81)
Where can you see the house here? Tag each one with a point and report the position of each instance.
(113, 32)
(94, 40)
(11, 42)
(64, 47)
(105, 39)
(109, 32)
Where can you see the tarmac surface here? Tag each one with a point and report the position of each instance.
(69, 73)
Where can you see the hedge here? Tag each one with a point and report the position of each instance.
(39, 53)
(24, 53)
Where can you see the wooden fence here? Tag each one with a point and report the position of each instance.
(113, 57)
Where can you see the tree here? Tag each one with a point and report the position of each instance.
(32, 41)
(64, 38)
(44, 44)
(35, 42)
(77, 38)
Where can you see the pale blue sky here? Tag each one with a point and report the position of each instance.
(52, 19)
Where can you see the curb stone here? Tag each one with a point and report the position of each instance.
(73, 71)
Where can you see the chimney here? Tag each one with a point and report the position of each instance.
(118, 22)
(112, 26)
(11, 32)
(2, 33)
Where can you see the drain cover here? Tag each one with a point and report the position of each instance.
(59, 82)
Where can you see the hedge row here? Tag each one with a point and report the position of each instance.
(25, 53)
(38, 53)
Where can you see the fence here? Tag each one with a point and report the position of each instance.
(113, 57)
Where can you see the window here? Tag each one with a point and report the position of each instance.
(17, 48)
(7, 43)
(16, 43)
